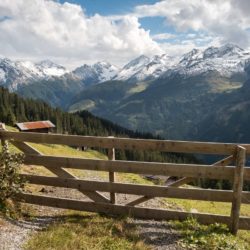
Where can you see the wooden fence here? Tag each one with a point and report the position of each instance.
(231, 167)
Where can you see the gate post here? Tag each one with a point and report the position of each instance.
(111, 157)
(2, 128)
(237, 188)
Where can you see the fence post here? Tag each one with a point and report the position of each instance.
(111, 157)
(2, 127)
(237, 188)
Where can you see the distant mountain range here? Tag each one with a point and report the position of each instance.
(202, 95)
(227, 60)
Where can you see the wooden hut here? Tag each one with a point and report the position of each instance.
(38, 126)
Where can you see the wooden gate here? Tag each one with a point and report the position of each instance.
(231, 167)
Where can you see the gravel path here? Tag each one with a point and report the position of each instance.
(157, 234)
(14, 233)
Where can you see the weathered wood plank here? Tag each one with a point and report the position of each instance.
(247, 173)
(237, 188)
(25, 148)
(168, 169)
(140, 200)
(28, 149)
(224, 162)
(138, 212)
(111, 157)
(137, 189)
(126, 143)
(63, 173)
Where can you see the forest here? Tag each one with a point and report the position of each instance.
(14, 108)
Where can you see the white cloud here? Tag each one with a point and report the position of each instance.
(163, 36)
(47, 29)
(227, 19)
(38, 29)
(186, 44)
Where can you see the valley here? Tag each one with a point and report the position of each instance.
(173, 97)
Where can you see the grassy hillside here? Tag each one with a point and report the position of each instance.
(175, 107)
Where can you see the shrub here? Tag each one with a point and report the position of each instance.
(10, 181)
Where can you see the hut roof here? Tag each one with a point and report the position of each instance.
(35, 125)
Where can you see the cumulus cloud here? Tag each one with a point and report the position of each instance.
(48, 29)
(227, 19)
(163, 36)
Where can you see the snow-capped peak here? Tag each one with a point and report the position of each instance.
(227, 60)
(146, 68)
(16, 73)
(137, 62)
(96, 73)
(228, 50)
(49, 68)
(194, 54)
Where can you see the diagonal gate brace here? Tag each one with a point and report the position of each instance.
(60, 172)
(224, 162)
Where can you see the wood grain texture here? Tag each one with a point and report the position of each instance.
(237, 188)
(224, 162)
(138, 212)
(153, 168)
(111, 157)
(136, 189)
(126, 143)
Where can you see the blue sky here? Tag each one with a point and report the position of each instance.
(73, 32)
(123, 7)
(109, 7)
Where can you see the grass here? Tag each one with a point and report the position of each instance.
(87, 231)
(138, 88)
(61, 150)
(211, 237)
(215, 208)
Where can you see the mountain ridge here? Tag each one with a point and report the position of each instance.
(227, 59)
(174, 98)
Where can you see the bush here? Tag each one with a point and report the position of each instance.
(10, 181)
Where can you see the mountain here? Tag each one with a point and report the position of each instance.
(175, 97)
(230, 119)
(182, 101)
(51, 82)
(145, 68)
(227, 60)
(14, 74)
(57, 91)
(96, 73)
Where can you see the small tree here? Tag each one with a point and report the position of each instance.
(10, 181)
